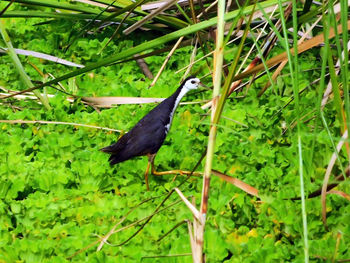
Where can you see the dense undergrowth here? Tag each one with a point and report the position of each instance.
(59, 194)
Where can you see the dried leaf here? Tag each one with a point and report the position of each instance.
(238, 183)
(106, 102)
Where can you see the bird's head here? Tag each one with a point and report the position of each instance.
(191, 83)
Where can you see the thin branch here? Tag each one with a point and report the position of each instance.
(58, 123)
(337, 180)
(166, 61)
(172, 229)
(149, 17)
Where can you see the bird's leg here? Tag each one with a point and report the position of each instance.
(154, 172)
(150, 160)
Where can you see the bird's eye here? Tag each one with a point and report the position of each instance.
(193, 82)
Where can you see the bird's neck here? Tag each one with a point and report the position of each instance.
(176, 97)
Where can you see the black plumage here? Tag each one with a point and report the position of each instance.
(143, 138)
(148, 135)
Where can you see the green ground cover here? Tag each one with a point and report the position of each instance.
(58, 193)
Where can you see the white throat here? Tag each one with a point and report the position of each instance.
(177, 101)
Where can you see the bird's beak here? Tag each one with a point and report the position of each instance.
(202, 85)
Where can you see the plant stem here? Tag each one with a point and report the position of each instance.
(218, 62)
(293, 61)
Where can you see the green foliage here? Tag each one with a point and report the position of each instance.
(58, 193)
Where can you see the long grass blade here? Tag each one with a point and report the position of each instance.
(43, 56)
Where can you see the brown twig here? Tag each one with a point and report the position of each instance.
(144, 67)
(340, 193)
(316, 193)
(58, 123)
(172, 229)
(328, 259)
(166, 61)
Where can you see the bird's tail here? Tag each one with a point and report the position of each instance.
(115, 156)
(113, 159)
(107, 149)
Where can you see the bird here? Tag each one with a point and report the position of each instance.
(148, 135)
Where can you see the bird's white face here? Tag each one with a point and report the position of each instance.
(192, 83)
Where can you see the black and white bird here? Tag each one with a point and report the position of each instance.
(148, 135)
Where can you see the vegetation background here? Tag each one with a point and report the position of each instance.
(59, 195)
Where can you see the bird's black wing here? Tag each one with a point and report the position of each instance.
(116, 147)
(146, 137)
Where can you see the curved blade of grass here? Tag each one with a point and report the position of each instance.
(30, 14)
(43, 56)
(336, 91)
(134, 6)
(335, 156)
